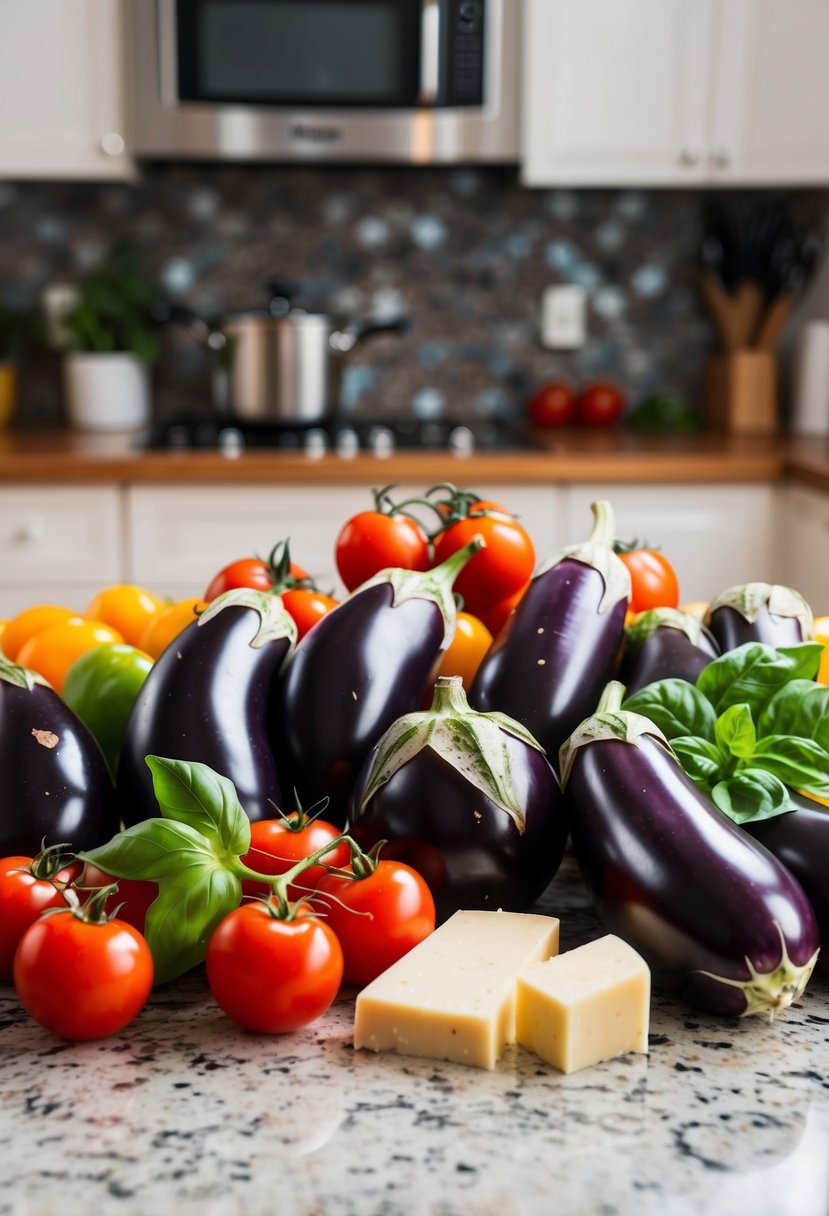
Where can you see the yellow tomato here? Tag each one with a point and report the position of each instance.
(52, 652)
(168, 624)
(125, 608)
(30, 622)
(463, 656)
(697, 608)
(822, 636)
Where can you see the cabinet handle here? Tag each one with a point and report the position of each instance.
(112, 144)
(720, 158)
(689, 157)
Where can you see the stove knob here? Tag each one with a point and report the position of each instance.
(315, 444)
(381, 441)
(347, 443)
(231, 442)
(461, 441)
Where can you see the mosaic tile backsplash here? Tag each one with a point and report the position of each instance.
(463, 253)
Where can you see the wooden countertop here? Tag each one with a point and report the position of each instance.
(567, 456)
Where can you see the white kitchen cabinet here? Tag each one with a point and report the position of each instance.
(62, 90)
(675, 92)
(805, 557)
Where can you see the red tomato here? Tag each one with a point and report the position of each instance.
(247, 572)
(599, 405)
(307, 607)
(82, 979)
(373, 541)
(499, 570)
(132, 899)
(552, 405)
(401, 912)
(278, 844)
(272, 975)
(653, 580)
(463, 655)
(23, 896)
(495, 616)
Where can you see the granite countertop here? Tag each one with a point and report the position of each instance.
(183, 1113)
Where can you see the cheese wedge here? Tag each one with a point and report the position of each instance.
(587, 1005)
(453, 996)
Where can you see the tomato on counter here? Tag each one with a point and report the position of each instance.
(554, 404)
(131, 900)
(28, 886)
(278, 844)
(599, 405)
(101, 687)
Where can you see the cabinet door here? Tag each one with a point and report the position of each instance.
(772, 92)
(615, 92)
(806, 554)
(61, 89)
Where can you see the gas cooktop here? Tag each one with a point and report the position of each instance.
(344, 438)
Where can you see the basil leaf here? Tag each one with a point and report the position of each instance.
(801, 763)
(701, 760)
(181, 921)
(799, 708)
(751, 795)
(156, 849)
(676, 707)
(753, 673)
(193, 793)
(735, 732)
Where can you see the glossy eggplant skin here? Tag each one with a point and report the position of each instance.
(209, 698)
(731, 629)
(56, 785)
(555, 654)
(468, 849)
(362, 666)
(667, 653)
(676, 879)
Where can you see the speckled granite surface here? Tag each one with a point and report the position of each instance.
(182, 1113)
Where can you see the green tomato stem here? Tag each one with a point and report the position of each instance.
(279, 883)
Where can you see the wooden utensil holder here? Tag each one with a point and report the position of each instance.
(742, 392)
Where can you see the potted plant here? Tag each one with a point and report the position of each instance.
(112, 341)
(19, 331)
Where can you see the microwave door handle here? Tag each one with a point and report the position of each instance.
(429, 52)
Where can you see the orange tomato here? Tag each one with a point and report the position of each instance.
(28, 623)
(52, 652)
(463, 656)
(822, 636)
(125, 608)
(168, 624)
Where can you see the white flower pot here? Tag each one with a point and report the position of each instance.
(106, 392)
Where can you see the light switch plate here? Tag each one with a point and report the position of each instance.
(564, 317)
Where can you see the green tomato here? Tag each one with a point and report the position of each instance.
(101, 687)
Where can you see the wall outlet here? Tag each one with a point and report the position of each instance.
(564, 317)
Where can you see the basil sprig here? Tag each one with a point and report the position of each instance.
(754, 726)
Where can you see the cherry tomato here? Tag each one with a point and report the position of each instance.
(247, 572)
(653, 580)
(307, 607)
(401, 912)
(24, 894)
(272, 975)
(599, 405)
(28, 623)
(466, 650)
(278, 844)
(167, 624)
(495, 616)
(53, 652)
(373, 541)
(552, 405)
(132, 899)
(82, 979)
(126, 608)
(499, 570)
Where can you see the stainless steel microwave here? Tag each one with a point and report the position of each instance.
(415, 81)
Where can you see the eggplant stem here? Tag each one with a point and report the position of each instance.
(604, 523)
(768, 992)
(611, 698)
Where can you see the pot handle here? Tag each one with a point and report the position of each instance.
(345, 339)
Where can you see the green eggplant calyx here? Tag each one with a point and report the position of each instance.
(609, 722)
(597, 552)
(276, 621)
(21, 677)
(749, 599)
(648, 622)
(768, 992)
(472, 743)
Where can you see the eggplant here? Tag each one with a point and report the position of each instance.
(363, 665)
(469, 800)
(56, 785)
(665, 643)
(714, 913)
(548, 665)
(210, 697)
(759, 612)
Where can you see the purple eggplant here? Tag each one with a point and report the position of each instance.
(467, 799)
(210, 697)
(360, 667)
(548, 665)
(714, 913)
(759, 612)
(56, 785)
(665, 643)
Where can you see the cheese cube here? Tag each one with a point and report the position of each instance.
(453, 996)
(587, 1005)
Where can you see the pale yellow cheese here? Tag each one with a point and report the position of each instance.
(587, 1005)
(453, 996)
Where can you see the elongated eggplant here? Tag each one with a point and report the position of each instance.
(665, 643)
(713, 912)
(467, 799)
(557, 650)
(759, 612)
(359, 668)
(56, 786)
(210, 697)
